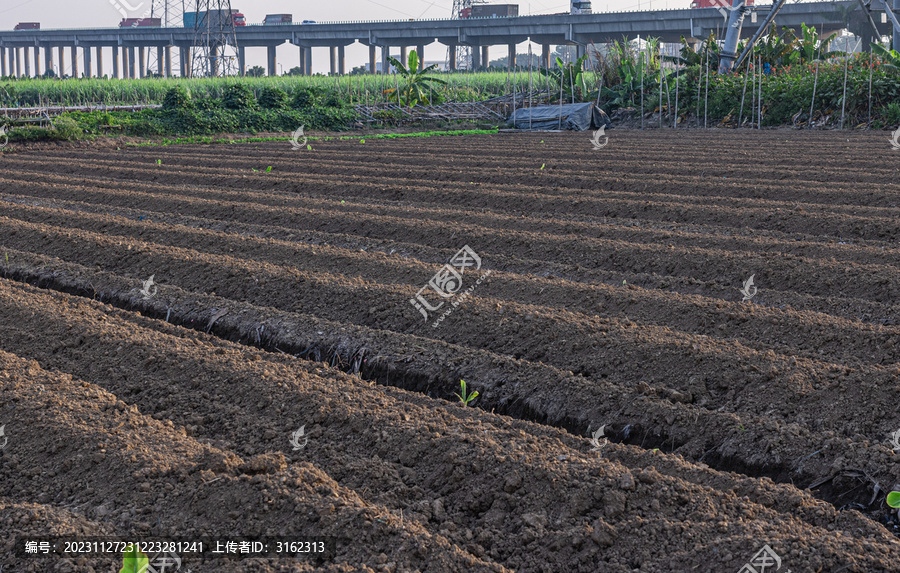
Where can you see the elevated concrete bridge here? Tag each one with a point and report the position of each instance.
(129, 44)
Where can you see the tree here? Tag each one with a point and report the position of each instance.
(416, 82)
(295, 71)
(256, 72)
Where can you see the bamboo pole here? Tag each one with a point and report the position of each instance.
(869, 123)
(677, 68)
(759, 100)
(743, 96)
(642, 88)
(706, 97)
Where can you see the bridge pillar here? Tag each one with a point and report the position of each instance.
(60, 51)
(37, 62)
(332, 52)
(242, 60)
(217, 52)
(187, 63)
(404, 57)
(48, 58)
(99, 61)
(132, 62)
(545, 56)
(476, 57)
(3, 62)
(142, 63)
(160, 61)
(115, 62)
(74, 57)
(271, 61)
(485, 56)
(18, 63)
(125, 63)
(579, 50)
(341, 61)
(385, 52)
(420, 51)
(88, 66)
(453, 57)
(167, 61)
(896, 45)
(512, 56)
(371, 59)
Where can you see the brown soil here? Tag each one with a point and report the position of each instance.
(612, 300)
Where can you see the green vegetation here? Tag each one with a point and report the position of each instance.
(415, 83)
(893, 499)
(463, 397)
(134, 561)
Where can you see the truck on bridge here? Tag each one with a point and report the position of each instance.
(716, 3)
(215, 17)
(28, 26)
(490, 11)
(277, 19)
(140, 22)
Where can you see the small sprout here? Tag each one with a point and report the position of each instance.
(742, 428)
(624, 282)
(655, 450)
(362, 140)
(309, 147)
(893, 499)
(159, 161)
(254, 170)
(542, 166)
(134, 561)
(269, 169)
(342, 202)
(465, 399)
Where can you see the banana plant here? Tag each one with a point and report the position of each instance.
(891, 57)
(417, 84)
(570, 77)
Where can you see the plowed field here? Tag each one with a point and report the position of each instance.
(574, 289)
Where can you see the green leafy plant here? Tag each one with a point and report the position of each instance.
(463, 397)
(239, 96)
(893, 499)
(134, 561)
(269, 169)
(418, 86)
(570, 78)
(177, 98)
(273, 98)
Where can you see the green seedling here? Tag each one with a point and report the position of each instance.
(542, 166)
(309, 147)
(269, 169)
(254, 170)
(465, 399)
(134, 561)
(159, 161)
(893, 499)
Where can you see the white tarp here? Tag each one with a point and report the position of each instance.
(572, 116)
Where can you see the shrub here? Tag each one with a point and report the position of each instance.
(177, 98)
(67, 128)
(273, 98)
(239, 96)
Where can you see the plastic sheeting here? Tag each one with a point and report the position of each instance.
(572, 116)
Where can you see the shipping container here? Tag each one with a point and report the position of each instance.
(494, 11)
(275, 19)
(28, 26)
(140, 22)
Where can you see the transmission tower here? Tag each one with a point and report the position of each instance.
(215, 42)
(463, 9)
(170, 13)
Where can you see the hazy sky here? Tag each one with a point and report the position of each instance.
(91, 13)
